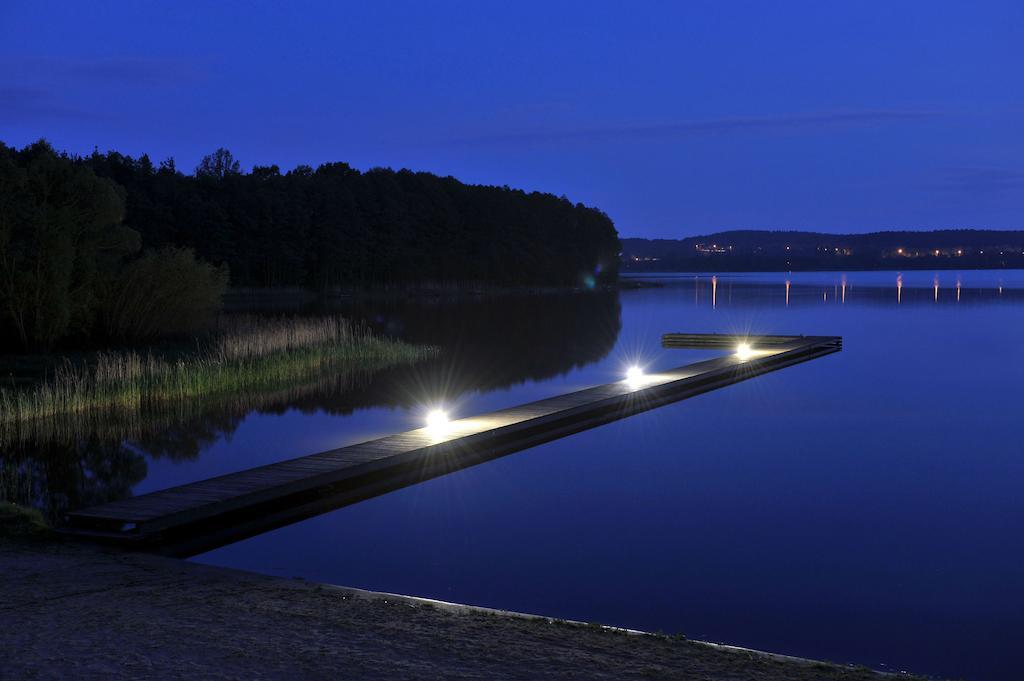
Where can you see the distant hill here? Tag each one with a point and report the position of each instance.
(762, 250)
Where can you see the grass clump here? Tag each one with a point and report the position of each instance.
(17, 521)
(245, 353)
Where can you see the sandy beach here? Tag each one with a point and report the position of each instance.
(133, 615)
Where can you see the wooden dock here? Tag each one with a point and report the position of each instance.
(191, 518)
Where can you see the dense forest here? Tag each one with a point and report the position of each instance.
(115, 248)
(334, 226)
(70, 268)
(756, 250)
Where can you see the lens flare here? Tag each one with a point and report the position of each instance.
(743, 351)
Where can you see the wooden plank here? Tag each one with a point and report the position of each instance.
(463, 442)
(722, 340)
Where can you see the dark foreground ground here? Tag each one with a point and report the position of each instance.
(78, 612)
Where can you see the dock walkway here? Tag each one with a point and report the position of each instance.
(274, 494)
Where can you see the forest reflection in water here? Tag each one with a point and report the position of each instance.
(79, 460)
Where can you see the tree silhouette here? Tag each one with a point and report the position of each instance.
(66, 257)
(68, 266)
(219, 164)
(336, 227)
(59, 223)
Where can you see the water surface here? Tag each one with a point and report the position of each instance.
(863, 507)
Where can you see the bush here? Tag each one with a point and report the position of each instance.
(16, 521)
(163, 293)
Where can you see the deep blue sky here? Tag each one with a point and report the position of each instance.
(675, 118)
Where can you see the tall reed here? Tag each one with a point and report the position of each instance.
(245, 353)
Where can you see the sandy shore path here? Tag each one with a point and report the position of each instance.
(80, 612)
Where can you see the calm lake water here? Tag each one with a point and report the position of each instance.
(864, 507)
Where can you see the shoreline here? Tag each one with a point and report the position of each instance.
(121, 614)
(631, 273)
(241, 298)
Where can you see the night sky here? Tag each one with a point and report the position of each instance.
(675, 118)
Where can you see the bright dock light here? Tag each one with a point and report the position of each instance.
(634, 376)
(437, 420)
(743, 351)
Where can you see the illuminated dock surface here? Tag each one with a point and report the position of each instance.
(196, 517)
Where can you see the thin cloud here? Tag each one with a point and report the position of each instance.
(981, 180)
(700, 127)
(121, 70)
(21, 105)
(35, 88)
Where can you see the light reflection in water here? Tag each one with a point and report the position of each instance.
(913, 288)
